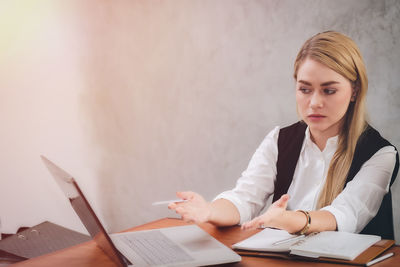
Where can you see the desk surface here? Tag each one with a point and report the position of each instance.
(88, 254)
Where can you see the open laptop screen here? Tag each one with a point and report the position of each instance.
(85, 212)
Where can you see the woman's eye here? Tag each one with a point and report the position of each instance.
(305, 90)
(329, 91)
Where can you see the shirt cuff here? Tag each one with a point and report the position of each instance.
(342, 222)
(244, 212)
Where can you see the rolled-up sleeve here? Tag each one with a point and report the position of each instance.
(360, 200)
(257, 182)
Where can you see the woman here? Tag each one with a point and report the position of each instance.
(330, 171)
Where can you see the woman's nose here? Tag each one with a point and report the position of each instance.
(317, 101)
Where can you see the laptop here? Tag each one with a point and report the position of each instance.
(173, 246)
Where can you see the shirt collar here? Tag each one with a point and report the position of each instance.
(331, 143)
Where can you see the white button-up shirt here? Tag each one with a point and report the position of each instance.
(353, 208)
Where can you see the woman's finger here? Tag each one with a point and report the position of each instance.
(282, 201)
(186, 195)
(252, 224)
(172, 206)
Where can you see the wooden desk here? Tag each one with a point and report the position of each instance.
(88, 254)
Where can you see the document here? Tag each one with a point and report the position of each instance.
(329, 244)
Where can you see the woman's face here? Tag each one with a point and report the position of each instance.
(322, 96)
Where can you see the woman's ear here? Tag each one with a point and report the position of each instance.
(354, 93)
(353, 96)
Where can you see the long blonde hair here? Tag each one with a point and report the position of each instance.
(341, 54)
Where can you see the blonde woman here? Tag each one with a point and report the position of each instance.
(330, 171)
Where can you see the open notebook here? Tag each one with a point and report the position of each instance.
(324, 245)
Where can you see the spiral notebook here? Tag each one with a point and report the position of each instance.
(325, 246)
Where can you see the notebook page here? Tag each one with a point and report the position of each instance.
(332, 244)
(263, 241)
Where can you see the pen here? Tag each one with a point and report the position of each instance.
(164, 202)
(288, 240)
(384, 257)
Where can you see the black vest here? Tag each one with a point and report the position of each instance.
(290, 141)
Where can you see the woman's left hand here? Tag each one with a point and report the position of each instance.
(273, 217)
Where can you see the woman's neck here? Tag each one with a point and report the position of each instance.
(320, 141)
(321, 138)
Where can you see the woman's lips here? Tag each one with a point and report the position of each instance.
(316, 117)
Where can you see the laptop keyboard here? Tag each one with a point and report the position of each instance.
(155, 248)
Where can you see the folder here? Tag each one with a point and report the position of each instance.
(38, 240)
(6, 257)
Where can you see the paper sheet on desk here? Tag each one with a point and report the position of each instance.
(263, 241)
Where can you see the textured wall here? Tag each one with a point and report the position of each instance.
(177, 95)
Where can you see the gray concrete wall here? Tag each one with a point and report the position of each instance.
(174, 95)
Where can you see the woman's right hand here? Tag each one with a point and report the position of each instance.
(193, 209)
